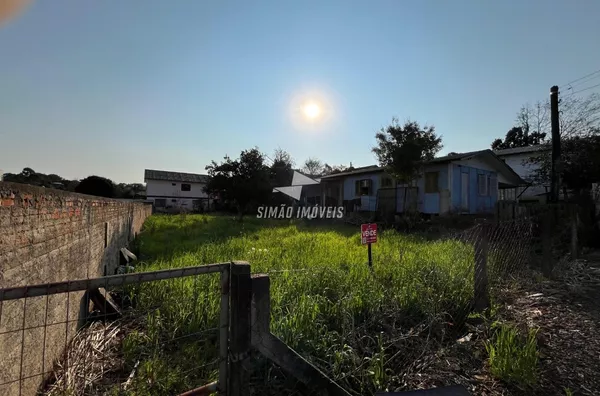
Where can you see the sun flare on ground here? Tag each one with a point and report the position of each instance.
(311, 110)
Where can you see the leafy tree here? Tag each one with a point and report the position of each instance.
(244, 182)
(403, 149)
(579, 127)
(281, 174)
(28, 172)
(579, 116)
(518, 137)
(580, 163)
(282, 168)
(96, 185)
(313, 167)
(130, 191)
(332, 170)
(531, 128)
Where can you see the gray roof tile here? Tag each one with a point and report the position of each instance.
(151, 174)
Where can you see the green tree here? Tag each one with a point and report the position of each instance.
(403, 149)
(97, 186)
(282, 168)
(281, 174)
(532, 127)
(313, 167)
(333, 169)
(244, 182)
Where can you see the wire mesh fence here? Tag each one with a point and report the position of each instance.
(161, 332)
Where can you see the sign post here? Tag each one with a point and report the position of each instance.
(368, 235)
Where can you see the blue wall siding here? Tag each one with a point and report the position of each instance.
(477, 204)
(431, 202)
(455, 196)
(349, 192)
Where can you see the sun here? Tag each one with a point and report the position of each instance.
(311, 110)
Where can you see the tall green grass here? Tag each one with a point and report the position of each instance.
(513, 357)
(326, 303)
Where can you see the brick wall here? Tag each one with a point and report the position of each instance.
(51, 236)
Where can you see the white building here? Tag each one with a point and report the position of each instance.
(518, 159)
(176, 191)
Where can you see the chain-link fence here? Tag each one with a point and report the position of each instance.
(161, 332)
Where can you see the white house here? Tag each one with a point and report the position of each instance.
(518, 159)
(176, 191)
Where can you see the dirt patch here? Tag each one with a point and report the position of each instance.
(566, 312)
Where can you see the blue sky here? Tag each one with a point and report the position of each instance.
(112, 87)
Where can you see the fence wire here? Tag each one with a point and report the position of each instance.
(160, 337)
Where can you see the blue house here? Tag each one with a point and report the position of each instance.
(466, 183)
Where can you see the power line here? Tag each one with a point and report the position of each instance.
(581, 78)
(583, 82)
(584, 89)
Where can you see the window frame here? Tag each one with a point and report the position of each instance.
(188, 185)
(358, 189)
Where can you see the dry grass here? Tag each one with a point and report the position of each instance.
(91, 357)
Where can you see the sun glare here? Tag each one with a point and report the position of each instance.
(311, 110)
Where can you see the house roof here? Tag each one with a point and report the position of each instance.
(521, 150)
(150, 174)
(501, 165)
(457, 156)
(355, 171)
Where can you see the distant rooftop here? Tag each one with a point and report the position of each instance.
(457, 156)
(521, 150)
(150, 174)
(356, 171)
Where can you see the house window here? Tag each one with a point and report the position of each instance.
(386, 182)
(186, 187)
(431, 182)
(173, 184)
(362, 187)
(173, 200)
(483, 184)
(160, 203)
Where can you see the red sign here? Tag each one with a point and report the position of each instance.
(368, 233)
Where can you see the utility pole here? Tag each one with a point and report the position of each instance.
(555, 172)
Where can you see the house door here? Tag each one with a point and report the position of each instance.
(464, 192)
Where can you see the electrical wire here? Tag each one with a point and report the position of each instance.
(581, 78)
(584, 89)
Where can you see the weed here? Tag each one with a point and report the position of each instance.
(512, 357)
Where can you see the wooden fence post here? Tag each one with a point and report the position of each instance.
(277, 351)
(482, 296)
(240, 329)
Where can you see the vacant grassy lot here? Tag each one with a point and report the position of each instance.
(354, 324)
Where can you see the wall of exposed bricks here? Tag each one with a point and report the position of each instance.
(51, 236)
